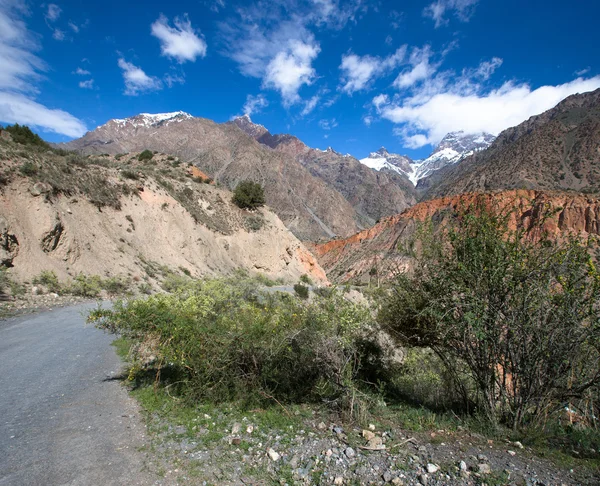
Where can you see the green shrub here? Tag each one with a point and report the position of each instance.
(249, 195)
(86, 285)
(145, 156)
(116, 285)
(301, 290)
(28, 169)
(129, 174)
(226, 341)
(304, 278)
(145, 288)
(22, 134)
(49, 279)
(254, 222)
(519, 317)
(174, 282)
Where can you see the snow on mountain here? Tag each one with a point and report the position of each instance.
(453, 148)
(382, 159)
(148, 119)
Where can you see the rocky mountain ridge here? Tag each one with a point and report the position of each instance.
(556, 150)
(454, 147)
(308, 206)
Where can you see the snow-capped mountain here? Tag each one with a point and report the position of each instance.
(247, 125)
(453, 148)
(148, 119)
(382, 159)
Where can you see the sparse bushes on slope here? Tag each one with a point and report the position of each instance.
(520, 318)
(301, 290)
(227, 341)
(22, 134)
(249, 195)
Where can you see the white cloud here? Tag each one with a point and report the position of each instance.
(462, 9)
(328, 124)
(58, 35)
(583, 71)
(180, 42)
(20, 70)
(136, 80)
(425, 120)
(254, 104)
(74, 28)
(290, 69)
(17, 108)
(82, 72)
(172, 78)
(53, 12)
(358, 72)
(421, 68)
(88, 84)
(367, 120)
(260, 39)
(311, 104)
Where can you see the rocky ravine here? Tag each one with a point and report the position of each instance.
(380, 247)
(190, 225)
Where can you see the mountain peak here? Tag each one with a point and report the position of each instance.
(150, 119)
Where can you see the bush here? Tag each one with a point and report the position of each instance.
(129, 174)
(521, 318)
(227, 341)
(116, 285)
(249, 195)
(304, 278)
(86, 285)
(49, 279)
(22, 134)
(145, 156)
(301, 290)
(28, 169)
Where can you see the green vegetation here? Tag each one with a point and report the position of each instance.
(301, 290)
(249, 195)
(146, 156)
(515, 322)
(225, 341)
(28, 169)
(304, 278)
(22, 134)
(49, 279)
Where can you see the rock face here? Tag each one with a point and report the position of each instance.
(372, 193)
(308, 206)
(378, 252)
(557, 150)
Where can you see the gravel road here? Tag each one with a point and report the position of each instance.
(64, 418)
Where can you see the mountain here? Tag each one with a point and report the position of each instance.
(118, 216)
(453, 148)
(372, 194)
(557, 150)
(383, 160)
(379, 252)
(310, 207)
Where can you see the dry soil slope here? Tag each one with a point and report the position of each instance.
(557, 150)
(382, 248)
(102, 222)
(307, 205)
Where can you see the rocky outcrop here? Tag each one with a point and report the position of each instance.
(379, 251)
(9, 245)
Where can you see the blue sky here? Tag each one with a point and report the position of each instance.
(351, 74)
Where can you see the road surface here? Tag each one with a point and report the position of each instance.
(64, 417)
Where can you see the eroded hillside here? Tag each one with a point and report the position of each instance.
(380, 251)
(110, 215)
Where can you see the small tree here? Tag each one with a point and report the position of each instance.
(146, 155)
(249, 195)
(520, 315)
